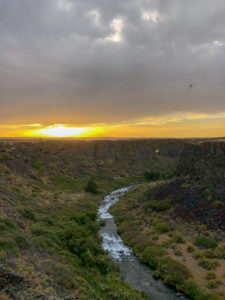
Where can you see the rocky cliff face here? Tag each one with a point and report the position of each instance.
(203, 192)
(205, 161)
(87, 157)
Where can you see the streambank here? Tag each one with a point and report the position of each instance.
(135, 273)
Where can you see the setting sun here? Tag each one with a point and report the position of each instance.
(62, 131)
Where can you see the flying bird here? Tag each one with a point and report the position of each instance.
(190, 87)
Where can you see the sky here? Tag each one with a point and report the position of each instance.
(131, 68)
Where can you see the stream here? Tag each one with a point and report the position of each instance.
(135, 273)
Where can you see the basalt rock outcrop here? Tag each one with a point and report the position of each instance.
(201, 191)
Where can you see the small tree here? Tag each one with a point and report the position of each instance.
(91, 187)
(152, 175)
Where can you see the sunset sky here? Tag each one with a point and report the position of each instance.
(110, 68)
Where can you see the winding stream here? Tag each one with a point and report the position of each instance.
(135, 273)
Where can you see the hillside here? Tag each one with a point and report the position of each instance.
(177, 226)
(49, 246)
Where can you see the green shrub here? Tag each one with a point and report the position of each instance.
(203, 227)
(48, 220)
(213, 284)
(220, 252)
(8, 244)
(3, 227)
(84, 217)
(8, 225)
(160, 170)
(166, 243)
(190, 249)
(80, 217)
(21, 241)
(210, 275)
(44, 243)
(205, 241)
(102, 223)
(152, 175)
(179, 239)
(208, 265)
(28, 213)
(40, 230)
(37, 165)
(3, 255)
(161, 227)
(103, 264)
(192, 289)
(91, 187)
(173, 272)
(79, 241)
(152, 255)
(16, 189)
(209, 253)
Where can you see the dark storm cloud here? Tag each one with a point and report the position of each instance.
(108, 61)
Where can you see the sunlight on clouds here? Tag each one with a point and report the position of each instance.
(117, 26)
(178, 118)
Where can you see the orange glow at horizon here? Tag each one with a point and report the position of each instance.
(174, 125)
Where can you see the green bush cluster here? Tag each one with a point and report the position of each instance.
(91, 187)
(70, 234)
(179, 239)
(152, 256)
(205, 241)
(173, 272)
(213, 283)
(160, 227)
(209, 264)
(190, 249)
(28, 213)
(12, 239)
(195, 292)
(37, 165)
(161, 169)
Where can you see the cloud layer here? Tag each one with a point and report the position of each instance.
(97, 61)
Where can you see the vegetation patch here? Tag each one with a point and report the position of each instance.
(206, 242)
(65, 183)
(160, 227)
